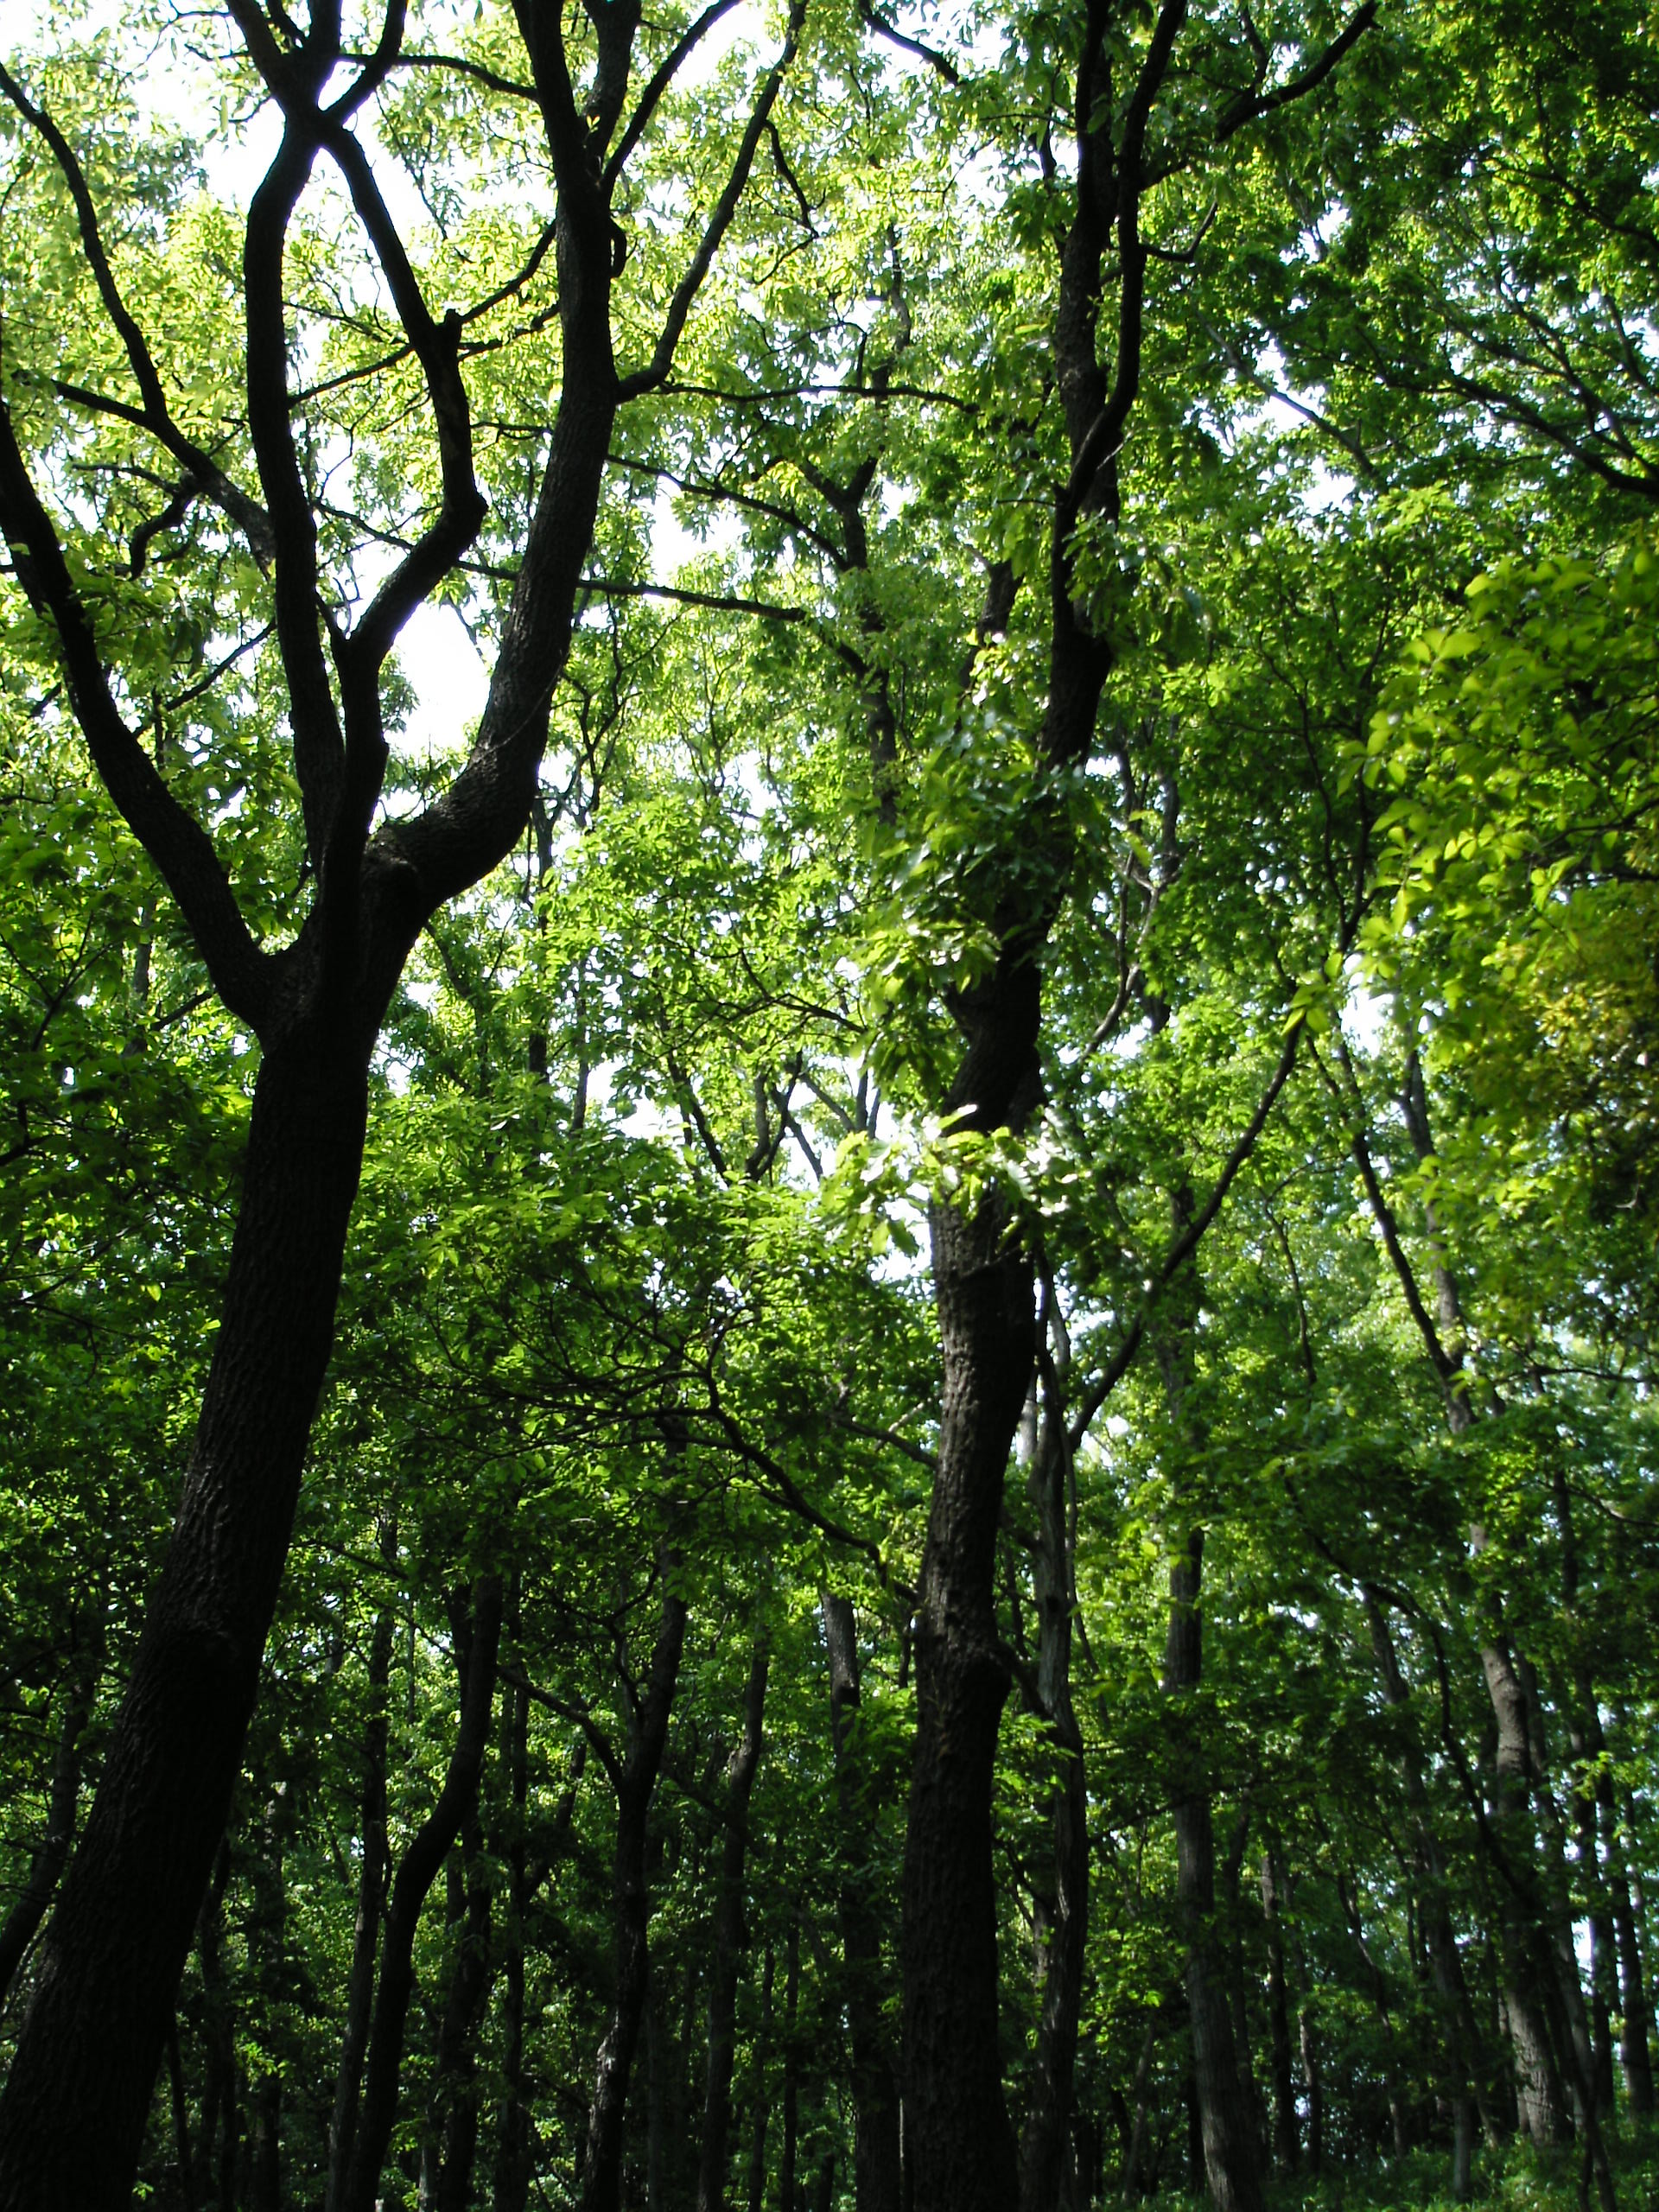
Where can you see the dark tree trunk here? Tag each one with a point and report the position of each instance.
(1230, 2164)
(1466, 2060)
(728, 1946)
(1286, 2147)
(63, 1794)
(93, 2034)
(457, 2033)
(876, 2177)
(635, 1780)
(182, 2153)
(1635, 2057)
(1313, 2082)
(370, 1901)
(476, 1662)
(1061, 1908)
(218, 2032)
(961, 2142)
(786, 2202)
(268, 1941)
(762, 2109)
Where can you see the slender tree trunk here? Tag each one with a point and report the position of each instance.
(635, 1781)
(1467, 2063)
(1634, 2058)
(1286, 2147)
(476, 1661)
(63, 1794)
(182, 2151)
(511, 2186)
(1062, 1906)
(1313, 2082)
(370, 1901)
(1134, 2176)
(1230, 2164)
(217, 2034)
(94, 2031)
(786, 2202)
(876, 2164)
(457, 2054)
(728, 1945)
(762, 2111)
(1538, 2082)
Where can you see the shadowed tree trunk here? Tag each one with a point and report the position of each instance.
(1286, 2145)
(457, 2033)
(475, 1648)
(876, 2179)
(728, 1944)
(792, 2067)
(117, 1944)
(1229, 2161)
(370, 1900)
(762, 2109)
(63, 1794)
(633, 1778)
(1060, 1908)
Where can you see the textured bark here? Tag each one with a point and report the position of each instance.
(111, 1958)
(1061, 1906)
(635, 1778)
(476, 1662)
(728, 1945)
(960, 2140)
(877, 2175)
(370, 1901)
(63, 1794)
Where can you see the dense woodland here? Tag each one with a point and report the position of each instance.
(846, 1406)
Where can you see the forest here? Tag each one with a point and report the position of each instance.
(829, 1074)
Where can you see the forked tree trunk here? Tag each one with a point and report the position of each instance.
(94, 2032)
(728, 1945)
(876, 2177)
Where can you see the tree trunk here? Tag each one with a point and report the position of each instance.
(762, 2109)
(370, 1901)
(457, 2053)
(1230, 2164)
(960, 2143)
(63, 1794)
(1287, 2148)
(728, 1945)
(876, 2176)
(635, 1781)
(476, 1661)
(1538, 2081)
(93, 2037)
(1465, 2055)
(792, 2067)
(1061, 1909)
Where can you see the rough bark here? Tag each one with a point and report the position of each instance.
(476, 1661)
(634, 1779)
(877, 2175)
(1061, 1905)
(370, 1901)
(728, 1944)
